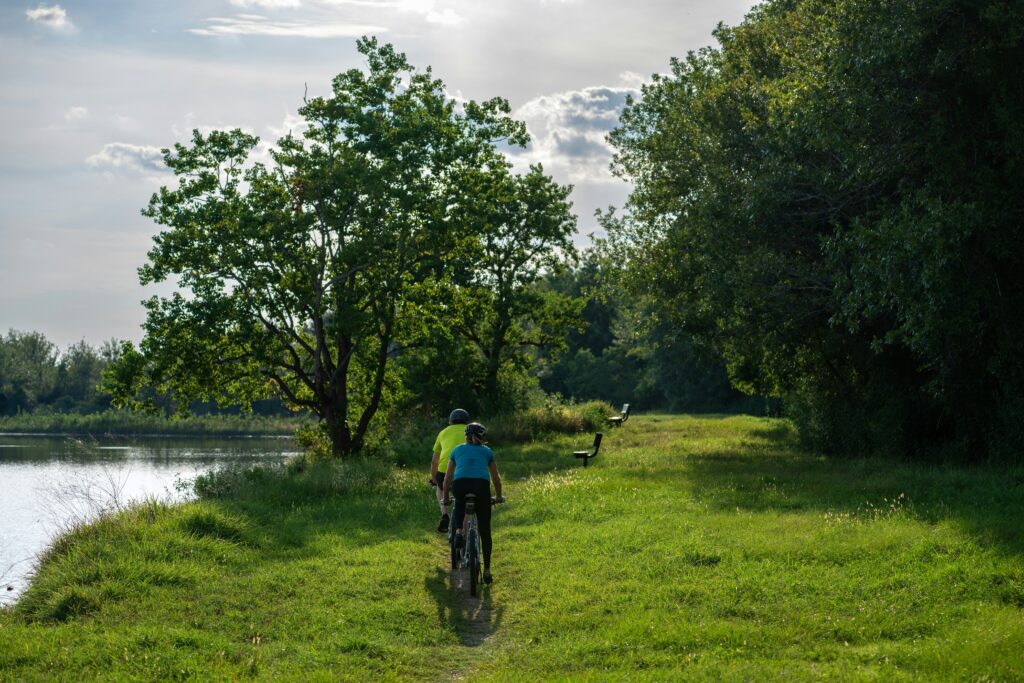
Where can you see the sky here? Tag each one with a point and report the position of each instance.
(92, 89)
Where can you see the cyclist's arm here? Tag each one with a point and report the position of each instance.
(495, 477)
(433, 464)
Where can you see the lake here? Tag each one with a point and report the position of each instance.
(50, 482)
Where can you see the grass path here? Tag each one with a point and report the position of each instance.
(692, 548)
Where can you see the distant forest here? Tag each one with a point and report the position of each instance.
(38, 377)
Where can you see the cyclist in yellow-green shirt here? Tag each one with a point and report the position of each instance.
(447, 439)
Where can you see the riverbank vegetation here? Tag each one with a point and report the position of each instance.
(126, 423)
(691, 548)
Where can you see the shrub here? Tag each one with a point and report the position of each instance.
(555, 417)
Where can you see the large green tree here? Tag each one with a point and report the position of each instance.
(500, 314)
(526, 226)
(304, 276)
(831, 199)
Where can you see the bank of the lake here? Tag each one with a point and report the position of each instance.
(690, 548)
(49, 483)
(126, 423)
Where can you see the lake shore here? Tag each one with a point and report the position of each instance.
(123, 423)
(50, 483)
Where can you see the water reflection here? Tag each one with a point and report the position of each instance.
(48, 483)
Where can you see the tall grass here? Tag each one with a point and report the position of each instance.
(410, 437)
(131, 424)
(534, 423)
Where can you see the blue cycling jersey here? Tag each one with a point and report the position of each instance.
(471, 461)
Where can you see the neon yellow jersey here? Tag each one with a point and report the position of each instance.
(447, 439)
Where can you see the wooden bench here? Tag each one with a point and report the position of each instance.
(587, 455)
(617, 420)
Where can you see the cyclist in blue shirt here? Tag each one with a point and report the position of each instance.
(471, 467)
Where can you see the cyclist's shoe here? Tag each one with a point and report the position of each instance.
(460, 542)
(487, 577)
(442, 526)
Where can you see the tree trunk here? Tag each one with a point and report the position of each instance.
(335, 413)
(339, 433)
(378, 385)
(493, 355)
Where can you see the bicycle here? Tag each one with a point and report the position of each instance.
(469, 555)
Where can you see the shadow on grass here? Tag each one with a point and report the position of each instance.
(473, 619)
(767, 471)
(531, 460)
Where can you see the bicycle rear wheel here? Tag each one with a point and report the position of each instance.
(474, 563)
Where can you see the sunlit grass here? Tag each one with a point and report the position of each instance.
(691, 548)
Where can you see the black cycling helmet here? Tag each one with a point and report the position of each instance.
(458, 417)
(476, 429)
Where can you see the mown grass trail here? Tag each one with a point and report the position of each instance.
(707, 548)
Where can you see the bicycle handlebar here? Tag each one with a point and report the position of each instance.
(495, 500)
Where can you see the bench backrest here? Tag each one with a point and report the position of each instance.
(597, 442)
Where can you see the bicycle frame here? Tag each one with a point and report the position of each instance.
(468, 522)
(470, 555)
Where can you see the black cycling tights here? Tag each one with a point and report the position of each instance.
(482, 489)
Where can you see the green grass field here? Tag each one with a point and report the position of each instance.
(691, 548)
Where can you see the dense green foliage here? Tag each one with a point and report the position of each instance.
(832, 200)
(529, 230)
(500, 316)
(43, 389)
(35, 375)
(691, 549)
(307, 276)
(625, 353)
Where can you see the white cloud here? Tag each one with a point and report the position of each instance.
(128, 157)
(267, 4)
(327, 18)
(427, 9)
(568, 130)
(447, 17)
(255, 25)
(292, 123)
(126, 123)
(76, 114)
(53, 16)
(633, 80)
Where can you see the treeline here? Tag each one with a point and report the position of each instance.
(35, 374)
(38, 377)
(831, 200)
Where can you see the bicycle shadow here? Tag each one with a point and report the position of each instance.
(474, 620)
